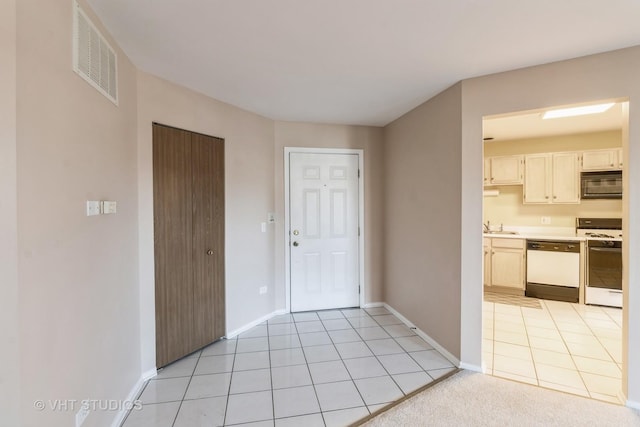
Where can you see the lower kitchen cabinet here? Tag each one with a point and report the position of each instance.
(505, 265)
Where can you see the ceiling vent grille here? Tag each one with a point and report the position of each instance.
(93, 58)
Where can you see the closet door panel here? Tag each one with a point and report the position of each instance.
(173, 243)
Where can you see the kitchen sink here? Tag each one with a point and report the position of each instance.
(500, 232)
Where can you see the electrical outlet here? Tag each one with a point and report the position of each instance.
(263, 290)
(82, 414)
(271, 217)
(545, 220)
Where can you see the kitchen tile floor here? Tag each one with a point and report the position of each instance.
(325, 368)
(574, 348)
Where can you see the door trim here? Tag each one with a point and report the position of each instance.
(361, 240)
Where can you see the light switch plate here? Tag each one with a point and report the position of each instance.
(545, 220)
(108, 207)
(93, 207)
(271, 217)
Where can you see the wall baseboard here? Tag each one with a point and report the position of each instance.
(632, 404)
(450, 357)
(470, 367)
(133, 394)
(236, 332)
(373, 305)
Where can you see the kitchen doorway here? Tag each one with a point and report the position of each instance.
(537, 328)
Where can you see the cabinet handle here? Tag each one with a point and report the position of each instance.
(611, 164)
(555, 197)
(546, 197)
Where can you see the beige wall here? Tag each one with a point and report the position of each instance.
(78, 275)
(611, 75)
(551, 144)
(422, 217)
(507, 208)
(9, 323)
(369, 139)
(249, 196)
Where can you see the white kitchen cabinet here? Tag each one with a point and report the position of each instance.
(552, 178)
(486, 245)
(505, 170)
(619, 157)
(487, 171)
(566, 178)
(602, 160)
(506, 261)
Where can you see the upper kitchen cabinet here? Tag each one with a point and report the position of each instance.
(602, 160)
(504, 170)
(552, 178)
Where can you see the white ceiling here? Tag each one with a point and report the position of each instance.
(354, 61)
(531, 124)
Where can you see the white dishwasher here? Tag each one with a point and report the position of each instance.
(553, 270)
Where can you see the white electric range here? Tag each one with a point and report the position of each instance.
(603, 260)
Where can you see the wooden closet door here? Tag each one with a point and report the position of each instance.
(173, 243)
(208, 238)
(188, 190)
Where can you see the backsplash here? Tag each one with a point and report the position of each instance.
(507, 209)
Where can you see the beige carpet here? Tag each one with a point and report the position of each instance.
(472, 399)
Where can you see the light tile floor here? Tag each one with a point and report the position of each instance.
(574, 348)
(325, 368)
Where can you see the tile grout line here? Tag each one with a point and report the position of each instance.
(186, 389)
(233, 365)
(315, 392)
(581, 372)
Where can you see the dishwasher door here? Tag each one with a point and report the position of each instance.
(553, 270)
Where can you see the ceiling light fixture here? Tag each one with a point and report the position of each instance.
(577, 111)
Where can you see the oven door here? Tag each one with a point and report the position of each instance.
(604, 265)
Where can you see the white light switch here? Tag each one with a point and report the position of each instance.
(93, 207)
(545, 220)
(108, 207)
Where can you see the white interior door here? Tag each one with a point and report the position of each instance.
(323, 203)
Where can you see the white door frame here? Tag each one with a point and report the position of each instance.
(362, 238)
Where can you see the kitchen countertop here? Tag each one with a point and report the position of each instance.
(544, 233)
(535, 236)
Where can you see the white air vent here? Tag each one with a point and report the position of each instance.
(93, 58)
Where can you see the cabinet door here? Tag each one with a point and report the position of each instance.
(597, 160)
(506, 170)
(507, 268)
(487, 171)
(619, 157)
(487, 261)
(566, 178)
(537, 178)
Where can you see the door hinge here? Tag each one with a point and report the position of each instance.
(358, 173)
(358, 231)
(358, 289)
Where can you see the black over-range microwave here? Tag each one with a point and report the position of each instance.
(601, 185)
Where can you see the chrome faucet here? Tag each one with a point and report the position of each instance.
(487, 226)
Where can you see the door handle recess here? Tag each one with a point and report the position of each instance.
(296, 244)
(209, 252)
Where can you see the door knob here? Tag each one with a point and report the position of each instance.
(209, 252)
(296, 244)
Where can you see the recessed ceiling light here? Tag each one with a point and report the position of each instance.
(577, 111)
